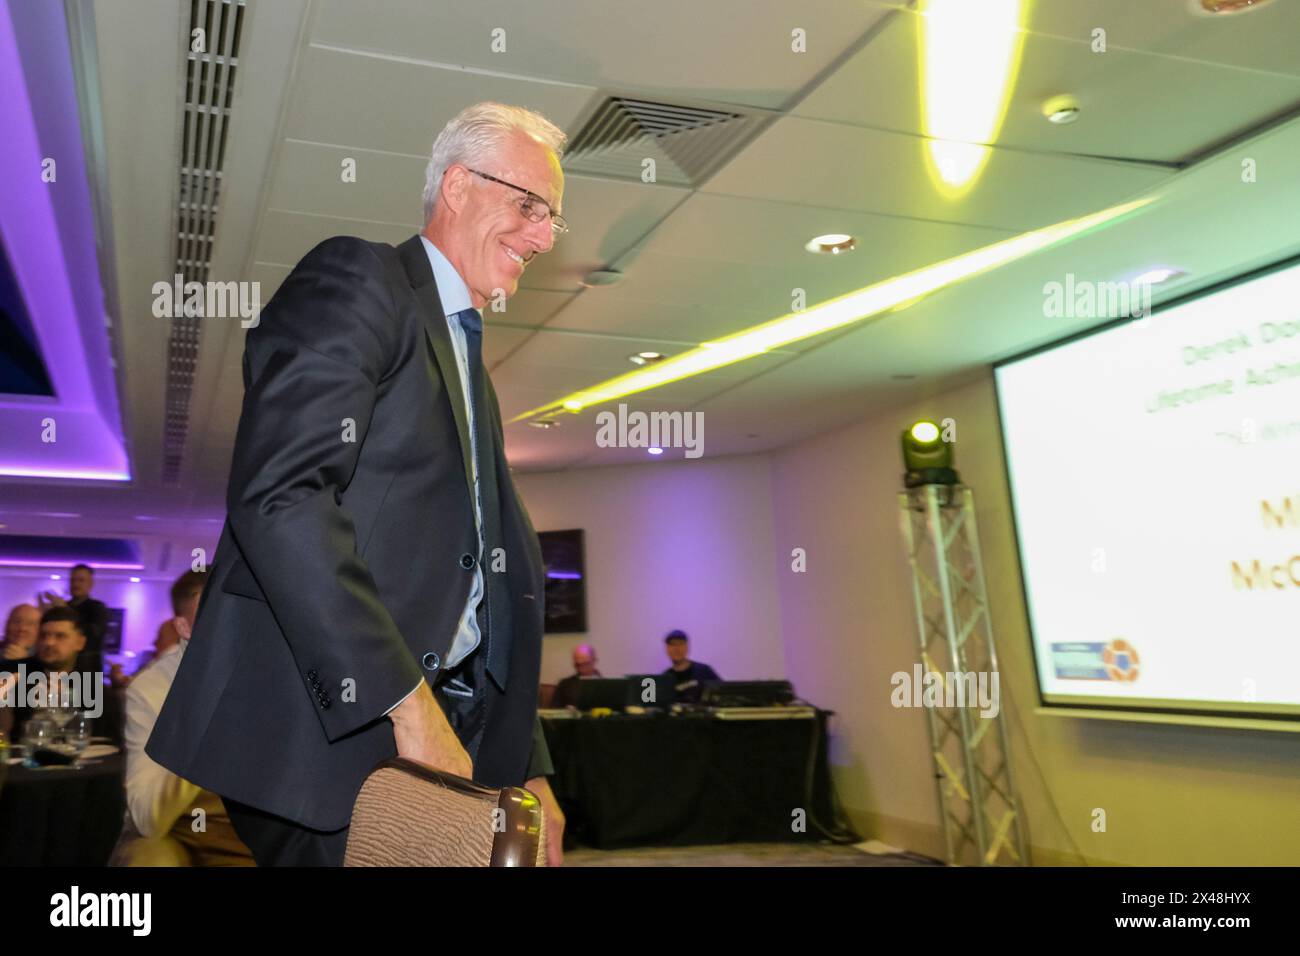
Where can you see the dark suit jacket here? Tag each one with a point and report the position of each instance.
(348, 563)
(94, 622)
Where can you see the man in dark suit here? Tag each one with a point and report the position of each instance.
(378, 586)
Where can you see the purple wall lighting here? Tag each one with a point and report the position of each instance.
(48, 232)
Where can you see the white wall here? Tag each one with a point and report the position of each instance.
(668, 545)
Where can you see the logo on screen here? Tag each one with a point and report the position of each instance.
(1121, 660)
(1116, 660)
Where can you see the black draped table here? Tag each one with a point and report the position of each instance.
(662, 780)
(62, 816)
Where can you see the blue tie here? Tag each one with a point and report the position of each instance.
(485, 458)
(471, 321)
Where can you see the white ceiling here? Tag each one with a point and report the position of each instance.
(321, 80)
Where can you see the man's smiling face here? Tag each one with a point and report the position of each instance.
(493, 239)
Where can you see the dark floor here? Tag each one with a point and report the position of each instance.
(742, 854)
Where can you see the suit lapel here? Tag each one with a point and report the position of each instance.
(416, 263)
(512, 513)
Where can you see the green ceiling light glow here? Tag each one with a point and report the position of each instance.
(883, 296)
(970, 54)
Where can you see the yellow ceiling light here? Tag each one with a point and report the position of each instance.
(830, 315)
(970, 54)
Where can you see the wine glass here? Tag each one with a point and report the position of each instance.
(61, 717)
(79, 733)
(38, 734)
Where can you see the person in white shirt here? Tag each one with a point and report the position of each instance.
(169, 821)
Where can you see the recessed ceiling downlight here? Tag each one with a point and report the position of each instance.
(833, 243)
(1157, 275)
(646, 358)
(1061, 110)
(600, 277)
(1225, 8)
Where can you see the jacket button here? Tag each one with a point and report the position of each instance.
(431, 661)
(467, 560)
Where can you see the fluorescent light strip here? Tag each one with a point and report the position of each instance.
(96, 565)
(89, 474)
(970, 54)
(830, 315)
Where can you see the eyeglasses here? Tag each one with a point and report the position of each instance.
(533, 207)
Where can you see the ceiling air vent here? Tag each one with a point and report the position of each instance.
(205, 119)
(688, 143)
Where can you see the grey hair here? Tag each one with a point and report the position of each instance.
(475, 133)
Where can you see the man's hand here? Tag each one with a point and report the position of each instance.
(49, 599)
(540, 787)
(422, 734)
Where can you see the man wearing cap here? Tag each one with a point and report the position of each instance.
(688, 674)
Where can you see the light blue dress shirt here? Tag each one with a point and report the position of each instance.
(455, 298)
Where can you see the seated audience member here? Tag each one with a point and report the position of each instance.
(60, 642)
(584, 665)
(92, 613)
(161, 827)
(687, 674)
(170, 633)
(21, 630)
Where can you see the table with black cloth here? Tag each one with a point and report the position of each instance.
(62, 817)
(662, 780)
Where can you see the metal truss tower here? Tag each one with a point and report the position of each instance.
(982, 822)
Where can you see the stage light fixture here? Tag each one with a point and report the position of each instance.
(927, 457)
